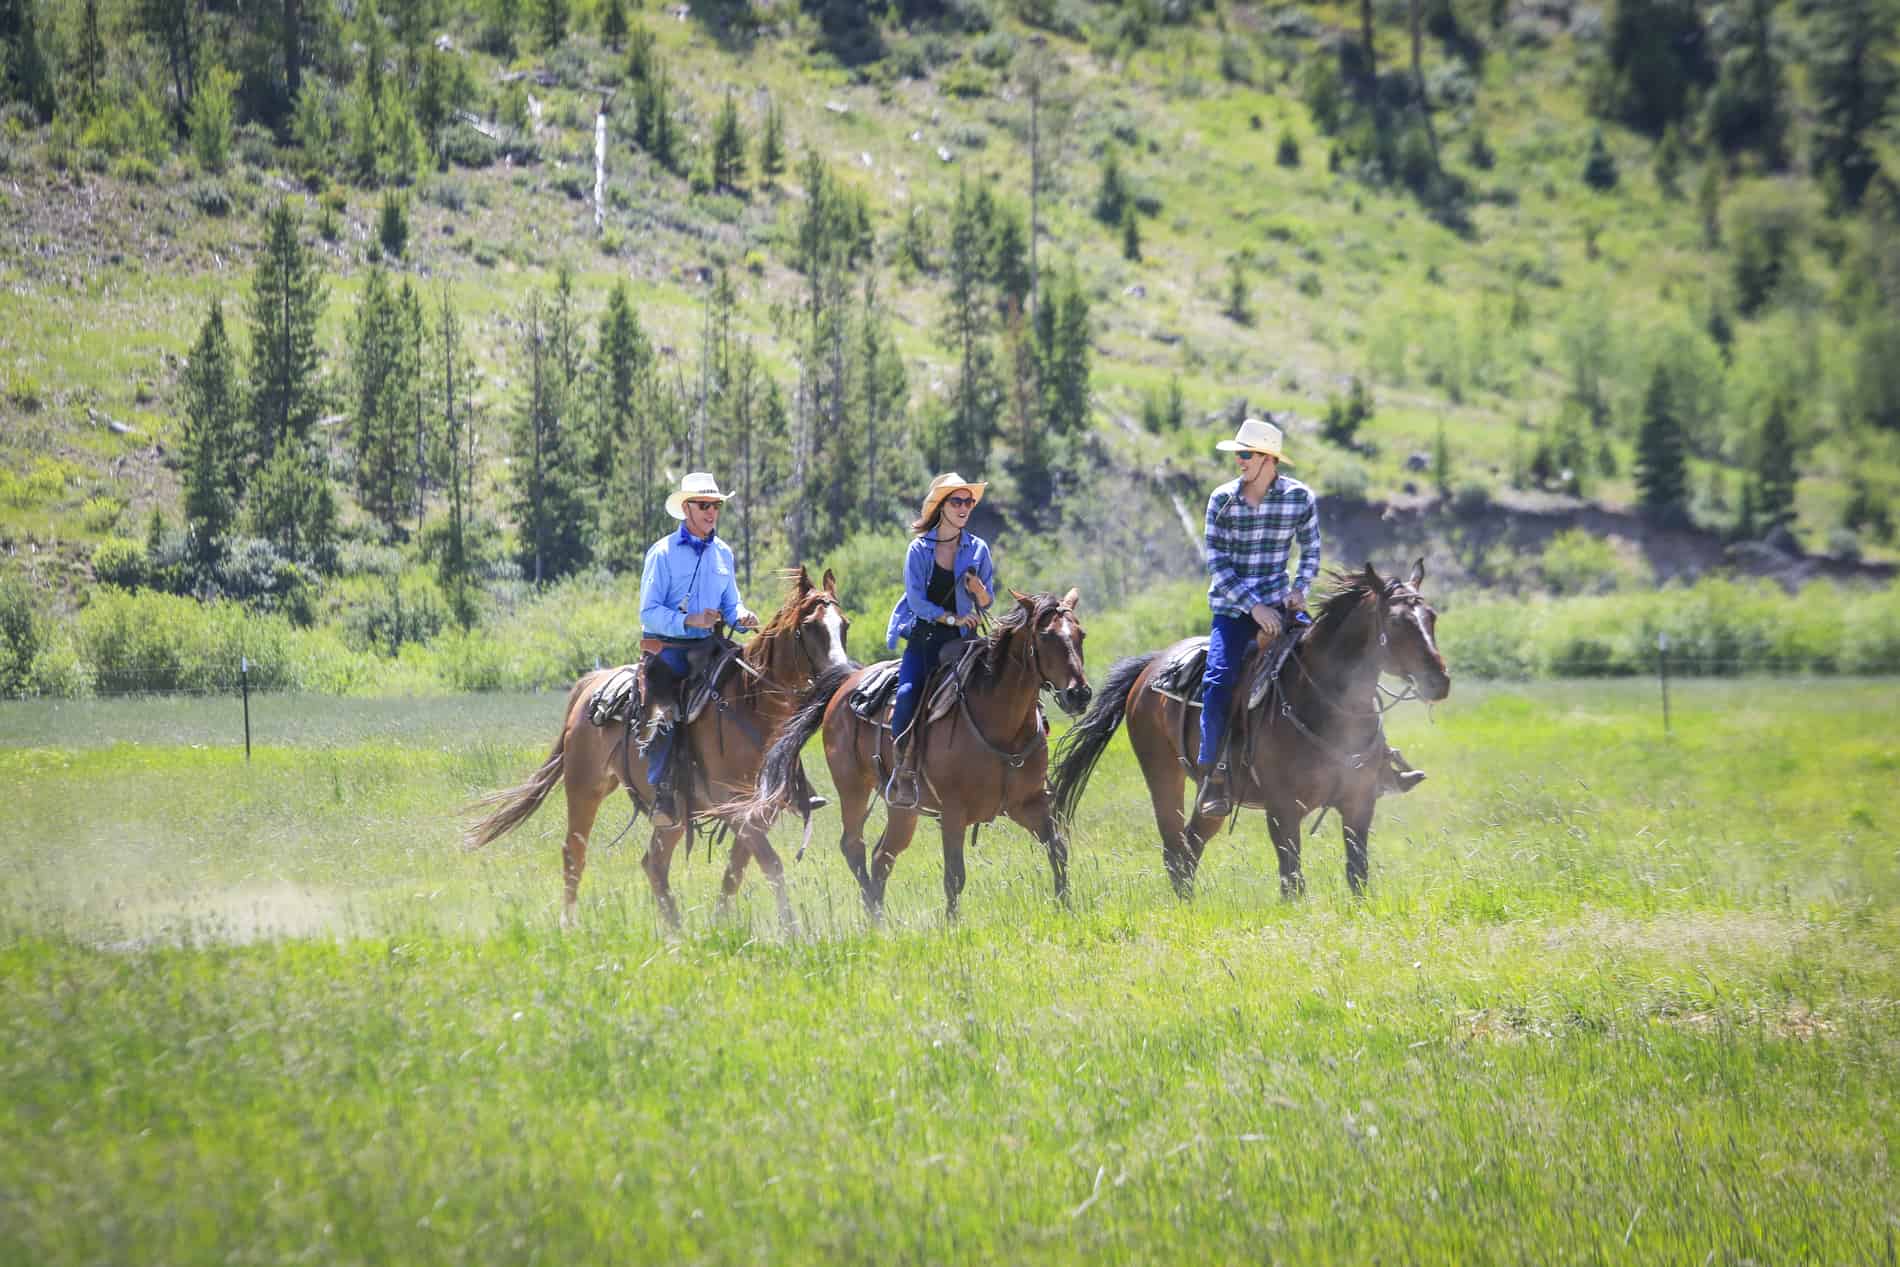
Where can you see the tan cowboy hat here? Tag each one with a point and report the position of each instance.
(1256, 436)
(695, 486)
(946, 484)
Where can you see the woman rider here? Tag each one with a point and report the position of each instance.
(948, 584)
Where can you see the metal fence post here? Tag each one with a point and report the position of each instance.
(244, 685)
(1662, 674)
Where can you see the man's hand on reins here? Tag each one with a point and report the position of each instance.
(1268, 620)
(703, 619)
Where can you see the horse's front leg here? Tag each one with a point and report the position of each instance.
(754, 841)
(953, 828)
(1283, 825)
(1038, 818)
(1355, 824)
(658, 864)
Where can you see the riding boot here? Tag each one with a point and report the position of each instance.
(904, 790)
(1395, 775)
(804, 795)
(1215, 799)
(665, 812)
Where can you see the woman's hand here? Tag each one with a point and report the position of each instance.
(974, 583)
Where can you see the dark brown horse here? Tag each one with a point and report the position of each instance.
(1316, 742)
(805, 639)
(989, 756)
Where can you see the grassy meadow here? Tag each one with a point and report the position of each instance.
(1615, 996)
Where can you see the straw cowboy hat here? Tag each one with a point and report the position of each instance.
(946, 484)
(695, 486)
(1256, 436)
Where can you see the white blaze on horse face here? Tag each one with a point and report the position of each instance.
(835, 623)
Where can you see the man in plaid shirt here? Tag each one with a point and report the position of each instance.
(1252, 523)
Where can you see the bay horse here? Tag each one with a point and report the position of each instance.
(1317, 741)
(804, 640)
(989, 757)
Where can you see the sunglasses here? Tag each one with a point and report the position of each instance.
(1248, 455)
(705, 505)
(959, 501)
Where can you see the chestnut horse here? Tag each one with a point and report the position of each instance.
(805, 639)
(1316, 741)
(989, 757)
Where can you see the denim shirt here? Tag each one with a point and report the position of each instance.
(675, 573)
(972, 552)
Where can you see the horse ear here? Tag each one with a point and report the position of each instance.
(1022, 598)
(831, 583)
(1418, 573)
(1072, 599)
(1372, 576)
(801, 581)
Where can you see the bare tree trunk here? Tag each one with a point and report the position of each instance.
(600, 170)
(1035, 181)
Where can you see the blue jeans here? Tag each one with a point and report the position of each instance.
(675, 659)
(921, 649)
(1226, 647)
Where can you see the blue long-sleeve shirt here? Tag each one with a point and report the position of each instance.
(1246, 547)
(676, 576)
(915, 605)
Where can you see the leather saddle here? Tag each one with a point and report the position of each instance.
(1180, 676)
(871, 697)
(628, 688)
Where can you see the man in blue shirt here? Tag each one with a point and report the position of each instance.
(1252, 524)
(687, 586)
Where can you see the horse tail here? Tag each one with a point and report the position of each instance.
(777, 770)
(1079, 749)
(514, 805)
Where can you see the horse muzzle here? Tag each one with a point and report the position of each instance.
(1433, 687)
(1075, 699)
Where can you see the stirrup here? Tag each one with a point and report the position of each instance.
(665, 811)
(1215, 798)
(903, 790)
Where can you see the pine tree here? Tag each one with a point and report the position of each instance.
(613, 24)
(1063, 345)
(91, 54)
(884, 385)
(1009, 260)
(728, 147)
(547, 506)
(175, 26)
(971, 422)
(624, 359)
(772, 144)
(455, 563)
(1661, 473)
(1111, 198)
(1775, 471)
(1599, 169)
(553, 23)
(1748, 109)
(1239, 304)
(653, 128)
(213, 440)
(1131, 233)
(292, 505)
(382, 373)
(286, 302)
(1853, 79)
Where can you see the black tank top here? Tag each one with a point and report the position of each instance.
(942, 589)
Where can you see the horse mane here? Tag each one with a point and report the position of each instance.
(989, 650)
(1349, 593)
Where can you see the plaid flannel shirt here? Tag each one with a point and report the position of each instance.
(1246, 547)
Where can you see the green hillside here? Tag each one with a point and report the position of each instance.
(1651, 214)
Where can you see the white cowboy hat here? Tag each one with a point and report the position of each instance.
(1256, 436)
(696, 486)
(946, 484)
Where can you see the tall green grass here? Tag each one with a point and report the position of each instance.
(1615, 996)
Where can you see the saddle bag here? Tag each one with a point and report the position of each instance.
(871, 697)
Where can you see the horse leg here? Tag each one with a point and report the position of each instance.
(754, 842)
(658, 864)
(899, 827)
(854, 804)
(584, 796)
(1355, 824)
(729, 883)
(1038, 818)
(1166, 780)
(1283, 825)
(953, 828)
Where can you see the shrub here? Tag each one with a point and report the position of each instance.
(1287, 154)
(392, 225)
(120, 561)
(211, 197)
(21, 635)
(1599, 169)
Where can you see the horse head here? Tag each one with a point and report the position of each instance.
(1408, 633)
(813, 621)
(1055, 647)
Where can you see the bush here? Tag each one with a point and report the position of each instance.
(1287, 154)
(463, 146)
(163, 642)
(119, 561)
(211, 197)
(21, 635)
(392, 225)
